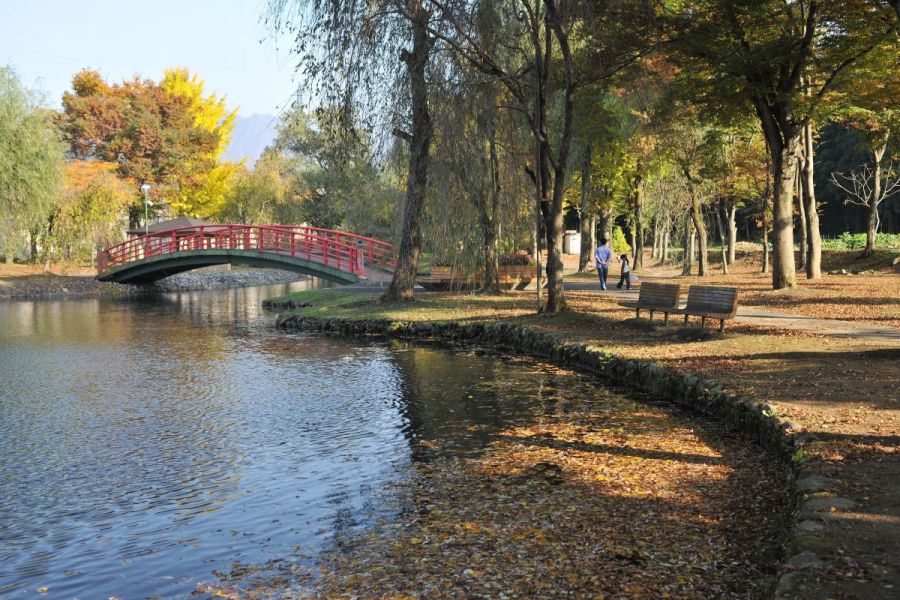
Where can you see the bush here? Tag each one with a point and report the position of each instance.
(853, 241)
(618, 243)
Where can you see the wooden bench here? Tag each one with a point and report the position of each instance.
(707, 301)
(662, 297)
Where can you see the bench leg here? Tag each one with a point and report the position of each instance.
(721, 325)
(685, 320)
(637, 313)
(702, 322)
(666, 319)
(651, 315)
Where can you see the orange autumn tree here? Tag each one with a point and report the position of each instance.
(93, 209)
(150, 133)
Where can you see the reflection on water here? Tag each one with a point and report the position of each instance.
(145, 443)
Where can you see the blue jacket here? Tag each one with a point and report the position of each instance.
(602, 256)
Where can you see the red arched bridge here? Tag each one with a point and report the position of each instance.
(333, 255)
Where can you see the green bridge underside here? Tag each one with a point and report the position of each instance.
(150, 269)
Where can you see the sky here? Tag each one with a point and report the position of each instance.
(224, 41)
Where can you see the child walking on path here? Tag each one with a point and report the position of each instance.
(626, 273)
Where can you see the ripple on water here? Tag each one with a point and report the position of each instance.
(146, 443)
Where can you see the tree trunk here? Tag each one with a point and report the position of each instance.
(588, 242)
(688, 248)
(783, 141)
(490, 219)
(801, 212)
(724, 250)
(33, 250)
(638, 229)
(765, 265)
(731, 224)
(784, 274)
(606, 223)
(586, 218)
(135, 217)
(665, 242)
(813, 234)
(654, 249)
(404, 279)
(874, 201)
(700, 228)
(632, 236)
(553, 218)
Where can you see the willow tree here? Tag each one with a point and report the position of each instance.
(544, 52)
(354, 53)
(31, 158)
(781, 60)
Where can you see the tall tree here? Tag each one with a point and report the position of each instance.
(871, 109)
(349, 49)
(211, 115)
(870, 186)
(781, 60)
(93, 208)
(31, 158)
(152, 135)
(537, 63)
(333, 180)
(697, 153)
(258, 195)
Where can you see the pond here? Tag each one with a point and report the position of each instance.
(157, 446)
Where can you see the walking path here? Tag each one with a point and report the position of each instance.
(758, 316)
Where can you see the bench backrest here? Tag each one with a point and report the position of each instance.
(659, 295)
(712, 299)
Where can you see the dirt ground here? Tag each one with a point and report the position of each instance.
(872, 296)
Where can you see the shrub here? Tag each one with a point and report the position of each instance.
(618, 243)
(853, 241)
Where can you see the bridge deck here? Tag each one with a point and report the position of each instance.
(334, 255)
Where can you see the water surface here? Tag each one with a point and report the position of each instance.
(149, 445)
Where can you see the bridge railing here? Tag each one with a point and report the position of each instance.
(343, 251)
(376, 252)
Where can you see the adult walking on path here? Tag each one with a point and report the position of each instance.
(602, 258)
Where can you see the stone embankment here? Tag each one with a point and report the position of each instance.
(220, 279)
(58, 286)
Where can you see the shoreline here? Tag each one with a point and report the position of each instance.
(755, 421)
(50, 286)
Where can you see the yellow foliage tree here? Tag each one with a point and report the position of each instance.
(210, 114)
(92, 210)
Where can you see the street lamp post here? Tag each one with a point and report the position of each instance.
(145, 189)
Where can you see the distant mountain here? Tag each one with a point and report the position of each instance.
(251, 136)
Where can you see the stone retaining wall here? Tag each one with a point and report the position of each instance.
(214, 278)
